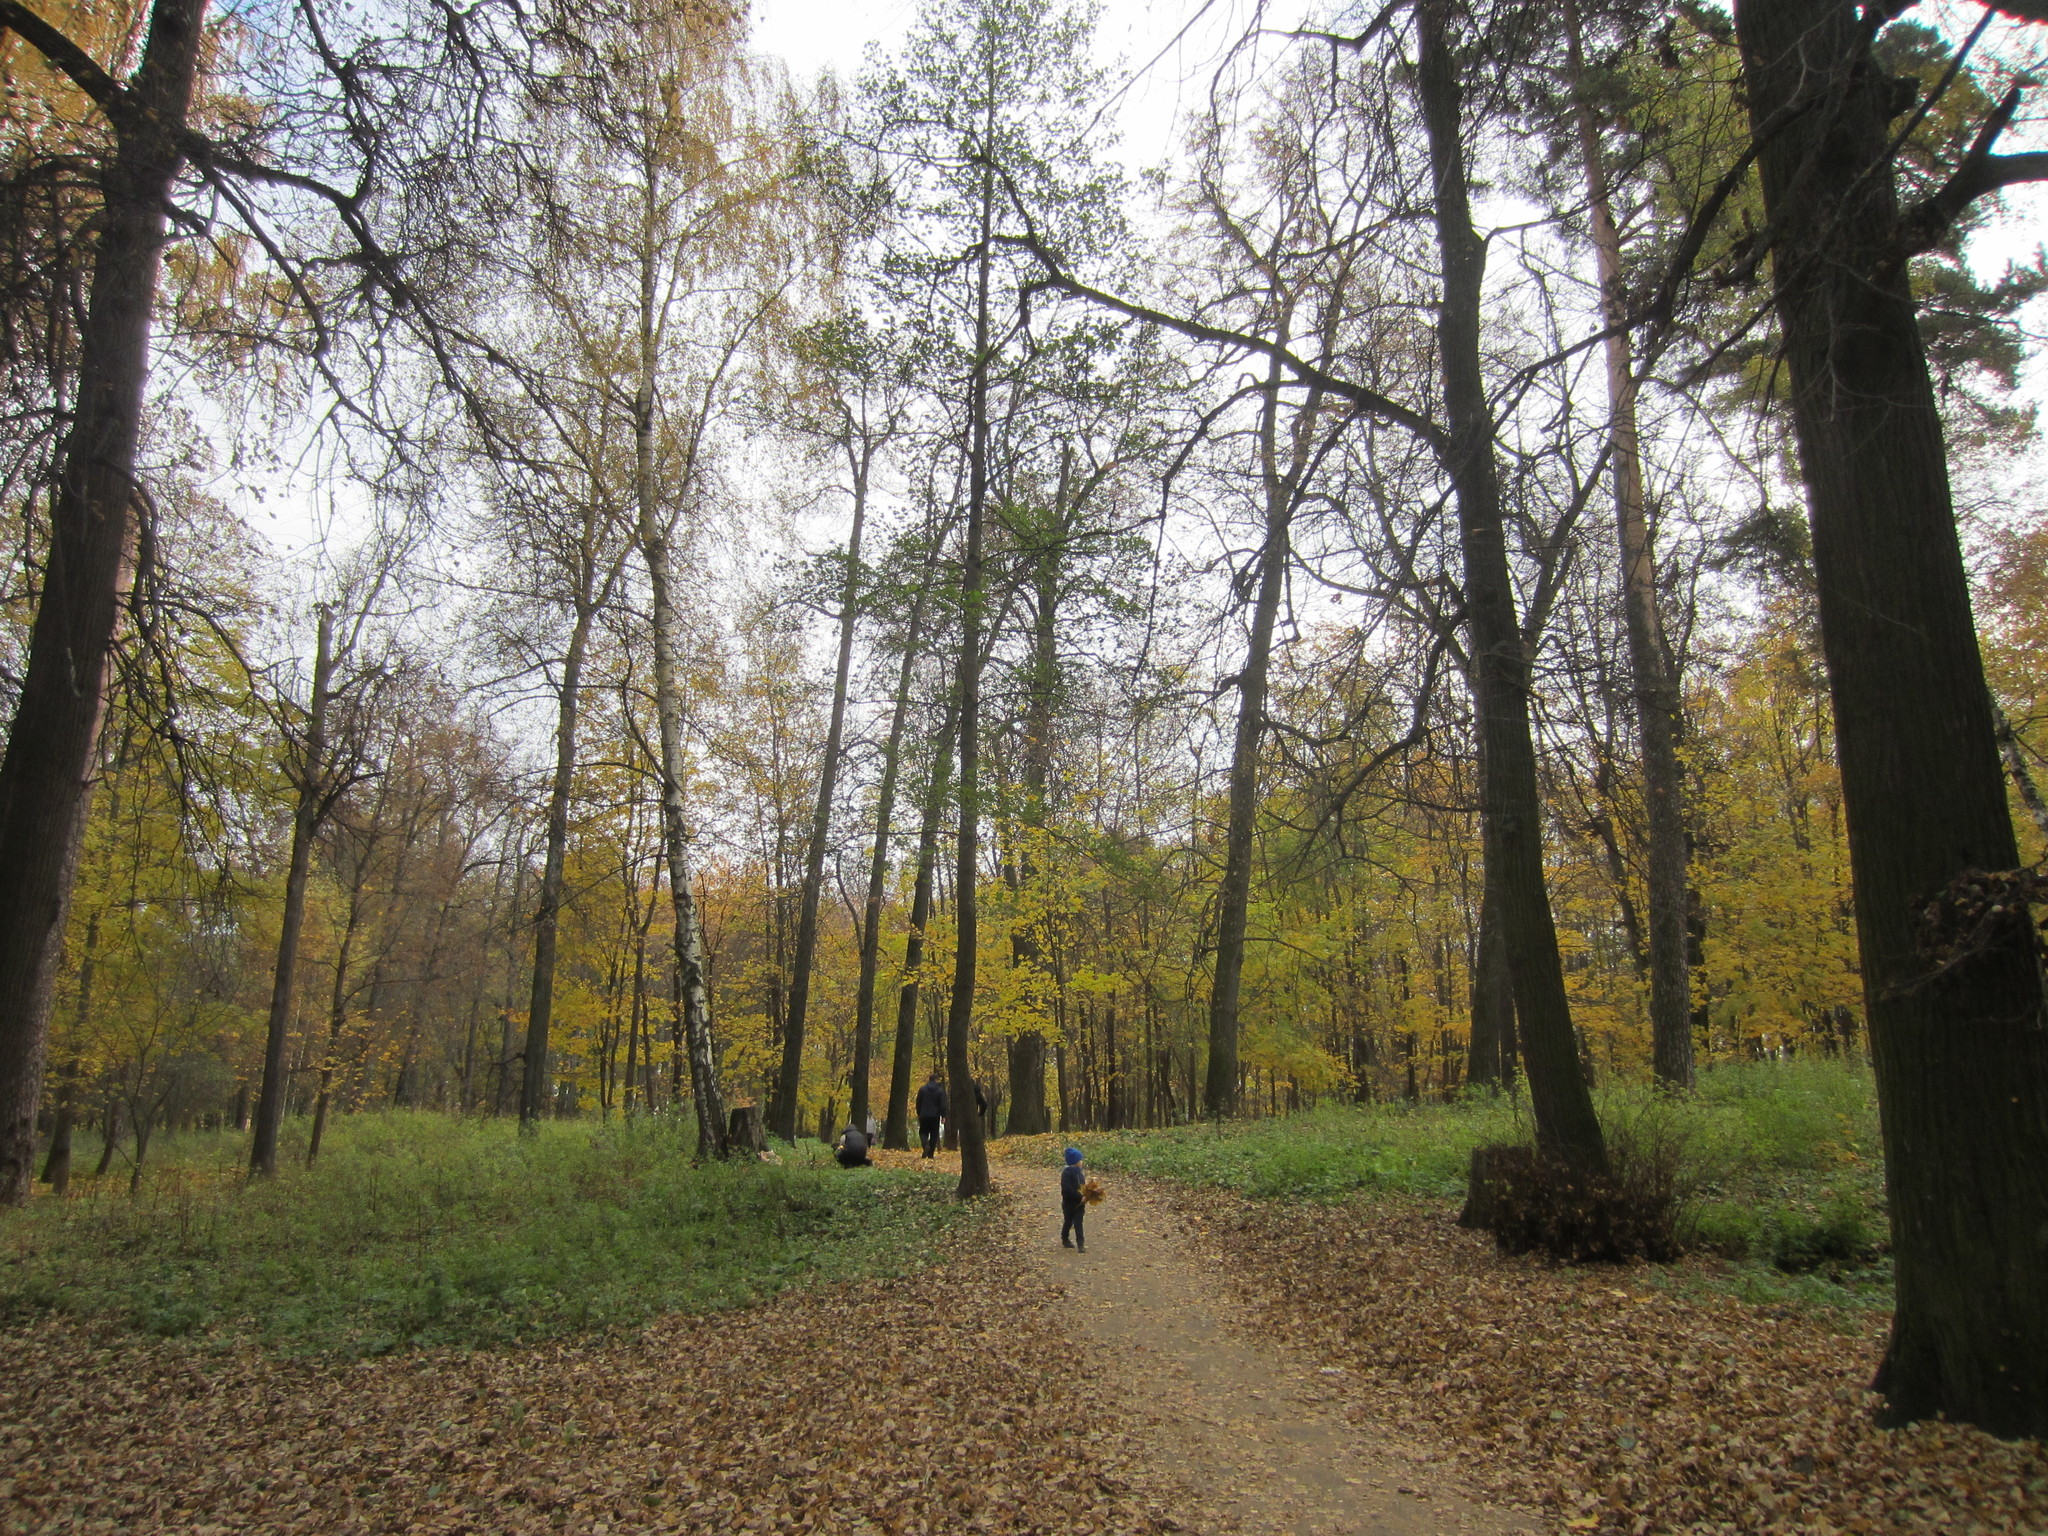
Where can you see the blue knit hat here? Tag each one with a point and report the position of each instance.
(1073, 1154)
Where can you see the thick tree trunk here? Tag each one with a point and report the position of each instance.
(536, 1092)
(1961, 1052)
(46, 774)
(1512, 809)
(1233, 896)
(896, 1129)
(960, 1012)
(1655, 689)
(782, 1121)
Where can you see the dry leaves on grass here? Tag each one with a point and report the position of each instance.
(1621, 1408)
(909, 1406)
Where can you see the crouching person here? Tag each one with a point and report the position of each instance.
(852, 1148)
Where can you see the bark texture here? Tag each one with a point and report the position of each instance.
(789, 1081)
(1961, 1051)
(896, 1129)
(309, 810)
(1233, 895)
(1653, 684)
(46, 774)
(974, 1178)
(1512, 809)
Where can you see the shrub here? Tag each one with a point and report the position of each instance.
(1836, 1237)
(1536, 1201)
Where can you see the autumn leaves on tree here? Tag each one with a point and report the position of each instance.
(1328, 619)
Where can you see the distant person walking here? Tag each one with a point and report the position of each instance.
(1072, 1202)
(931, 1109)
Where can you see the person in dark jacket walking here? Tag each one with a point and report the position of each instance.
(931, 1109)
(1072, 1203)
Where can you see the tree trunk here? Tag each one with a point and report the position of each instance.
(896, 1129)
(46, 773)
(1027, 1048)
(2016, 764)
(1233, 896)
(1512, 806)
(110, 1138)
(1655, 689)
(871, 907)
(310, 811)
(782, 1120)
(1493, 1001)
(535, 1090)
(57, 1166)
(695, 996)
(337, 1011)
(1960, 1051)
(960, 1014)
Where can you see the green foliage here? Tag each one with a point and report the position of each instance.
(1328, 1154)
(416, 1229)
(1780, 1167)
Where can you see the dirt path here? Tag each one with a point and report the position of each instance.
(1257, 1432)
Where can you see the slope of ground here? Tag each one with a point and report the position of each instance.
(937, 1403)
(1619, 1402)
(1256, 1430)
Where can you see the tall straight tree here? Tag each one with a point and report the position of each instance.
(980, 127)
(938, 790)
(659, 256)
(861, 415)
(1959, 1040)
(326, 744)
(913, 644)
(1654, 691)
(1371, 380)
(1511, 817)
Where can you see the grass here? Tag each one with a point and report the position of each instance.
(1780, 1161)
(417, 1229)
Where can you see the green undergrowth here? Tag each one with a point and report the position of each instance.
(1781, 1174)
(417, 1229)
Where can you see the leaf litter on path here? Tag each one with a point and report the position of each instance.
(910, 1407)
(1618, 1406)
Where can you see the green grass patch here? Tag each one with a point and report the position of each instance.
(417, 1229)
(1782, 1172)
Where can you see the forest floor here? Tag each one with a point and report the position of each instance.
(1252, 1427)
(1623, 1401)
(1216, 1363)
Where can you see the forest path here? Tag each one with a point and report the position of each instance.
(1254, 1430)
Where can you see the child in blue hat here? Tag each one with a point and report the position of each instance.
(1072, 1205)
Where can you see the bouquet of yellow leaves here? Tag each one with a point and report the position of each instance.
(1093, 1192)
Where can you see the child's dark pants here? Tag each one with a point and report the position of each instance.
(1072, 1210)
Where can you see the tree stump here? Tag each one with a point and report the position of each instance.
(744, 1132)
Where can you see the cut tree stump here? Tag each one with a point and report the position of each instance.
(744, 1131)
